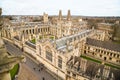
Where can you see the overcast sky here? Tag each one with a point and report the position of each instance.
(77, 7)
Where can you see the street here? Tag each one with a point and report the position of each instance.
(38, 70)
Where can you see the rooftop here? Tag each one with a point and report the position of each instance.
(103, 44)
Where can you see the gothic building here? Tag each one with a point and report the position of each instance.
(63, 46)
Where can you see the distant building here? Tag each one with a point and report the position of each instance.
(60, 45)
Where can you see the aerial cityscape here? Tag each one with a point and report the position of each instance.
(61, 46)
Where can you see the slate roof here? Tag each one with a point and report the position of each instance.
(103, 44)
(30, 44)
(16, 37)
(91, 68)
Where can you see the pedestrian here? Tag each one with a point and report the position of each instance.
(34, 68)
(43, 78)
(41, 68)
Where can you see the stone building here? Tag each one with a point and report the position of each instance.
(104, 50)
(60, 45)
(107, 28)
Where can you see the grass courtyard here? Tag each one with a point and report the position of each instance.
(91, 59)
(14, 71)
(41, 37)
(100, 62)
(33, 41)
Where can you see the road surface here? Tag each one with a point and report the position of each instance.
(39, 71)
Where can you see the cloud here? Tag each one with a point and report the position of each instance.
(77, 7)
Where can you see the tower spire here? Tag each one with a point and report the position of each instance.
(60, 15)
(69, 15)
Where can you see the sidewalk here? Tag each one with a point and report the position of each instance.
(26, 73)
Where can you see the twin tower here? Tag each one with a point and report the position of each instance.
(68, 15)
(45, 16)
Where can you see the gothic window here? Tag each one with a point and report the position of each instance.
(118, 56)
(104, 58)
(27, 31)
(98, 50)
(110, 58)
(110, 54)
(59, 62)
(104, 52)
(114, 55)
(84, 51)
(30, 31)
(68, 72)
(100, 55)
(101, 51)
(33, 31)
(48, 54)
(74, 75)
(39, 30)
(39, 50)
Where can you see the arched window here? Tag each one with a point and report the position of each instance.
(33, 31)
(27, 31)
(30, 31)
(40, 50)
(59, 62)
(48, 54)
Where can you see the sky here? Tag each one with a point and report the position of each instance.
(52, 7)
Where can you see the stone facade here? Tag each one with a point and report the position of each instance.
(59, 46)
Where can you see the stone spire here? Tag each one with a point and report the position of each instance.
(112, 77)
(60, 15)
(106, 71)
(45, 17)
(69, 15)
(83, 64)
(97, 76)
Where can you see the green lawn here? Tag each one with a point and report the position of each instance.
(14, 71)
(52, 37)
(98, 61)
(112, 65)
(91, 59)
(116, 41)
(40, 37)
(33, 41)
